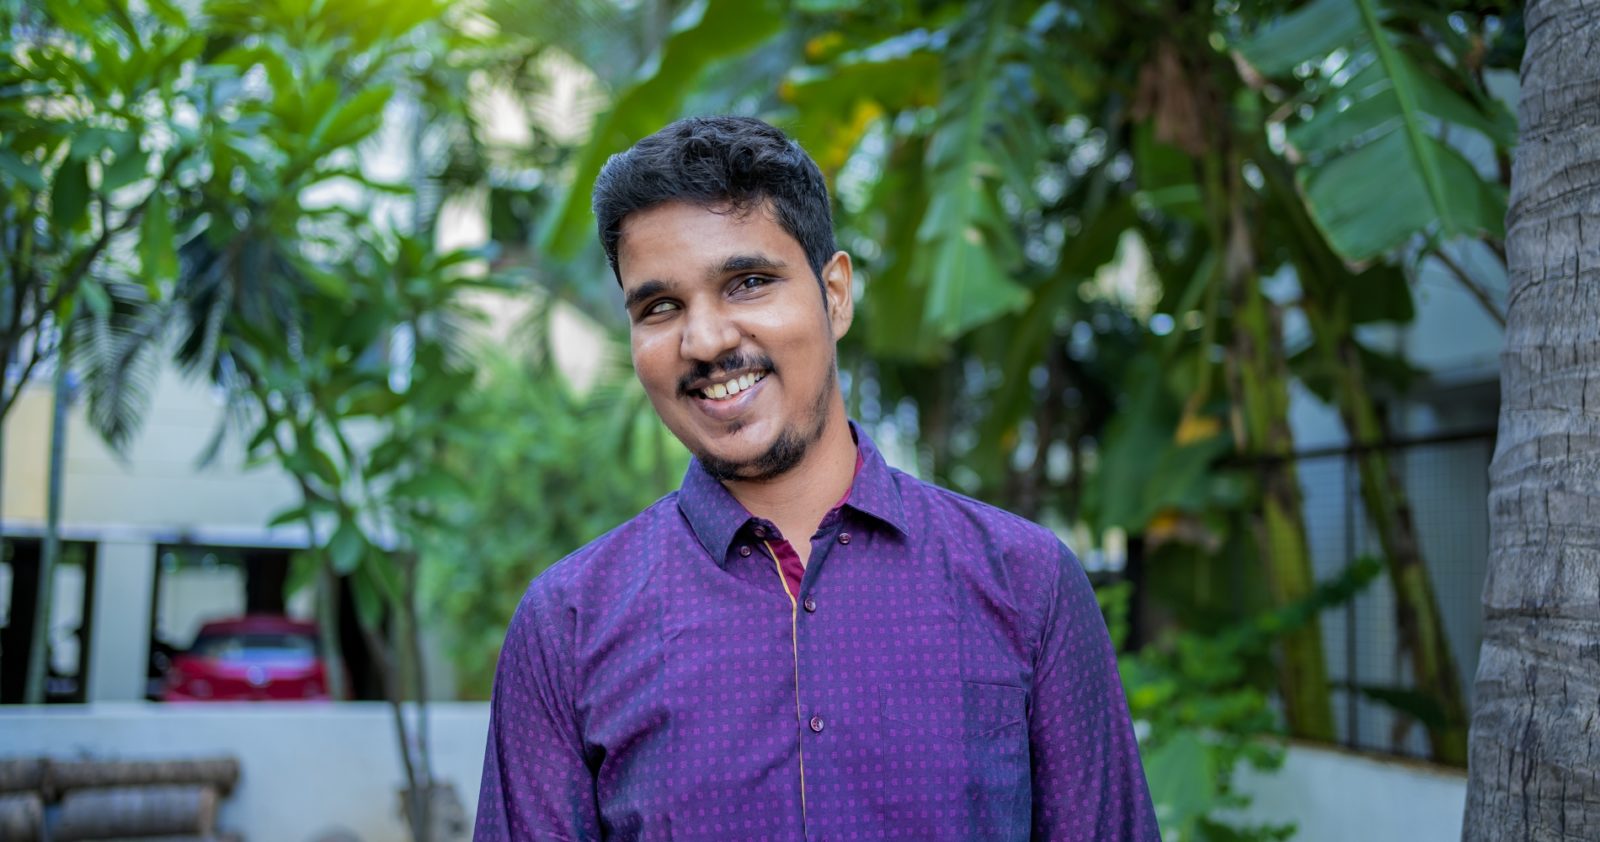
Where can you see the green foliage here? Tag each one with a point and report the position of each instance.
(965, 245)
(137, 153)
(1382, 105)
(202, 175)
(1029, 191)
(550, 470)
(1145, 468)
(1206, 717)
(95, 134)
(704, 34)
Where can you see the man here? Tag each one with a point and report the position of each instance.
(801, 642)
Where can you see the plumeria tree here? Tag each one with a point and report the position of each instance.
(190, 183)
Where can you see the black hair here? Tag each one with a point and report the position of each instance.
(736, 163)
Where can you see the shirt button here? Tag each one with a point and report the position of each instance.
(744, 552)
(816, 724)
(844, 537)
(810, 604)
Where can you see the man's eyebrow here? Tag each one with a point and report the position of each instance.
(751, 263)
(643, 291)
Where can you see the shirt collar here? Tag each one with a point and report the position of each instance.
(717, 517)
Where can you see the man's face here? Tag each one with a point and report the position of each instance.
(731, 338)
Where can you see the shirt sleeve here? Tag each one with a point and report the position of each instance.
(536, 784)
(1088, 783)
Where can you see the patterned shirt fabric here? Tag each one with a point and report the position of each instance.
(944, 675)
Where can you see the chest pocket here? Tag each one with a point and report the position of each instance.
(962, 745)
(953, 711)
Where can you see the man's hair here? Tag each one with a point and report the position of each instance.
(732, 163)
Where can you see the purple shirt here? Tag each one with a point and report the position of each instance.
(946, 675)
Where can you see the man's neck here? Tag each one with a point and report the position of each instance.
(797, 500)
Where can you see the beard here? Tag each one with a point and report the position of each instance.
(787, 450)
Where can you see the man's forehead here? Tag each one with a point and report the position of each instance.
(699, 234)
(737, 213)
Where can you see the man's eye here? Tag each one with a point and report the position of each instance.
(754, 282)
(659, 307)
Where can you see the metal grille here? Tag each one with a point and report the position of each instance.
(1446, 483)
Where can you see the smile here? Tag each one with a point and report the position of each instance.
(727, 390)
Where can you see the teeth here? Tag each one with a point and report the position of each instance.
(733, 387)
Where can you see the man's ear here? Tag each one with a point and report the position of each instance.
(837, 277)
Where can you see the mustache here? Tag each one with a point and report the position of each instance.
(726, 364)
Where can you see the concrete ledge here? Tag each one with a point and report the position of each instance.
(306, 769)
(1336, 795)
(311, 768)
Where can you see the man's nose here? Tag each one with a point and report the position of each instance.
(708, 334)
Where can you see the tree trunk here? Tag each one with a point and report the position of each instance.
(1422, 633)
(21, 774)
(137, 812)
(219, 773)
(411, 639)
(1536, 730)
(21, 815)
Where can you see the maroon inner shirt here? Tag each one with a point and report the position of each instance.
(783, 552)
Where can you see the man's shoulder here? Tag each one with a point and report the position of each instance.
(1000, 553)
(929, 506)
(617, 559)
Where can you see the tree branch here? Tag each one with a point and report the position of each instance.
(35, 354)
(1471, 286)
(81, 267)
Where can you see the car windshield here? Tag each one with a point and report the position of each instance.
(254, 646)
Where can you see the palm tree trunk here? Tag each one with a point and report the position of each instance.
(1536, 729)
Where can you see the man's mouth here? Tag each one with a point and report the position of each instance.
(727, 389)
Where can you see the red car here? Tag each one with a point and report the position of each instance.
(255, 658)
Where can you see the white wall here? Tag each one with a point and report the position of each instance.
(308, 769)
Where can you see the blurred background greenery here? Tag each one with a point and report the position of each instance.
(1082, 229)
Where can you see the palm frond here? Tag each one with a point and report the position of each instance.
(118, 354)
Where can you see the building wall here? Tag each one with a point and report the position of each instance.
(154, 493)
(157, 493)
(156, 490)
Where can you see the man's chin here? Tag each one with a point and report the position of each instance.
(753, 464)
